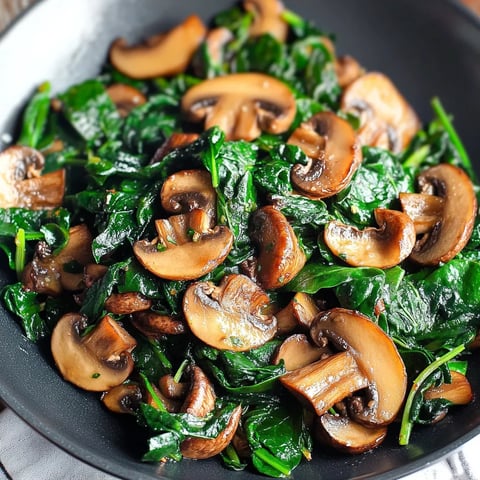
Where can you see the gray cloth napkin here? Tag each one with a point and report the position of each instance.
(26, 455)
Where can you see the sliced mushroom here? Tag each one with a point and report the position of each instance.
(458, 392)
(334, 155)
(21, 182)
(96, 361)
(125, 97)
(171, 388)
(382, 247)
(347, 70)
(453, 229)
(280, 255)
(201, 448)
(267, 18)
(299, 312)
(231, 316)
(241, 104)
(214, 49)
(342, 433)
(160, 56)
(155, 325)
(50, 274)
(297, 352)
(424, 209)
(175, 140)
(325, 382)
(126, 303)
(170, 405)
(376, 357)
(187, 190)
(93, 272)
(124, 398)
(201, 397)
(186, 248)
(387, 120)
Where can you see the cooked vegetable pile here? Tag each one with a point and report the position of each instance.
(249, 243)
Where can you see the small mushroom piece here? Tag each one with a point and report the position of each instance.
(187, 190)
(241, 104)
(382, 247)
(334, 155)
(125, 97)
(325, 382)
(155, 325)
(230, 316)
(201, 448)
(296, 351)
(126, 303)
(387, 120)
(458, 392)
(346, 435)
(49, 274)
(454, 228)
(186, 248)
(175, 140)
(171, 405)
(347, 70)
(280, 255)
(299, 312)
(172, 389)
(424, 209)
(21, 182)
(161, 55)
(200, 400)
(376, 357)
(267, 18)
(124, 398)
(96, 361)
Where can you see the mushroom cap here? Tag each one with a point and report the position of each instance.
(331, 144)
(230, 316)
(424, 209)
(387, 119)
(21, 183)
(382, 247)
(200, 399)
(267, 18)
(96, 361)
(376, 356)
(280, 255)
(452, 232)
(123, 398)
(125, 97)
(161, 55)
(241, 104)
(186, 190)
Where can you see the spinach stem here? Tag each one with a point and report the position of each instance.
(292, 18)
(20, 252)
(179, 372)
(268, 458)
(417, 157)
(152, 392)
(454, 138)
(407, 424)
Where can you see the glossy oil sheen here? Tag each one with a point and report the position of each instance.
(427, 47)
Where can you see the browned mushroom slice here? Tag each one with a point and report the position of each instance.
(93, 272)
(201, 448)
(201, 397)
(21, 182)
(347, 70)
(280, 255)
(458, 392)
(187, 190)
(300, 311)
(175, 140)
(96, 361)
(128, 302)
(231, 316)
(325, 382)
(297, 352)
(171, 405)
(171, 388)
(49, 274)
(382, 247)
(331, 145)
(125, 97)
(342, 433)
(241, 104)
(387, 120)
(155, 325)
(424, 209)
(124, 398)
(453, 230)
(160, 56)
(186, 247)
(267, 18)
(215, 41)
(376, 357)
